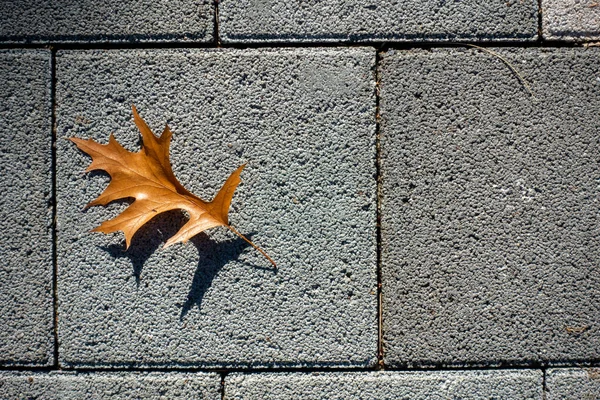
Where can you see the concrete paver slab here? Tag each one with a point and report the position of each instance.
(343, 20)
(303, 120)
(571, 19)
(490, 209)
(109, 385)
(505, 384)
(573, 383)
(26, 304)
(100, 21)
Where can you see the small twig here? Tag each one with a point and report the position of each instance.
(505, 61)
(232, 229)
(576, 330)
(591, 44)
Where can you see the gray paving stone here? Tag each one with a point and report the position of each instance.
(26, 314)
(576, 383)
(490, 209)
(303, 120)
(367, 20)
(108, 385)
(112, 20)
(571, 19)
(505, 384)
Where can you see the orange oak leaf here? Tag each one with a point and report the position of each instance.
(147, 177)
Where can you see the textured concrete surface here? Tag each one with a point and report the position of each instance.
(112, 20)
(505, 384)
(490, 236)
(576, 383)
(26, 312)
(343, 20)
(571, 19)
(303, 120)
(103, 385)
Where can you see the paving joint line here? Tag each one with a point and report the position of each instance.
(540, 27)
(216, 32)
(381, 45)
(53, 228)
(380, 359)
(544, 384)
(226, 371)
(222, 387)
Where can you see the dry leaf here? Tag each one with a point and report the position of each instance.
(147, 177)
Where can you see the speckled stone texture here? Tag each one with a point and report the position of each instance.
(490, 209)
(26, 319)
(303, 120)
(104, 385)
(575, 383)
(571, 19)
(505, 384)
(364, 20)
(111, 20)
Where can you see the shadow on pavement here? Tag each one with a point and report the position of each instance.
(212, 256)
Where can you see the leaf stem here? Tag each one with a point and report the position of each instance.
(232, 229)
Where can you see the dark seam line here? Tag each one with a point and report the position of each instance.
(222, 389)
(544, 387)
(278, 45)
(216, 32)
(380, 361)
(257, 370)
(54, 202)
(540, 24)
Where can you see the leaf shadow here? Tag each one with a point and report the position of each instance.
(212, 256)
(147, 240)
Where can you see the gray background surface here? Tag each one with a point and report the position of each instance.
(343, 20)
(489, 244)
(304, 122)
(26, 313)
(490, 222)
